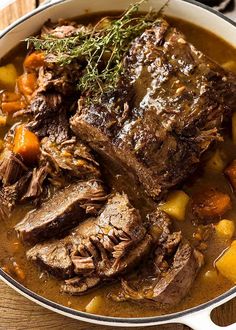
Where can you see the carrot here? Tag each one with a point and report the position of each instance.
(26, 144)
(11, 107)
(209, 205)
(27, 83)
(10, 97)
(34, 61)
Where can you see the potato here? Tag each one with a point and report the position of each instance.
(229, 65)
(94, 305)
(216, 163)
(234, 127)
(8, 75)
(225, 228)
(176, 204)
(226, 264)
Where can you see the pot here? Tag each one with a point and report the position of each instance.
(198, 317)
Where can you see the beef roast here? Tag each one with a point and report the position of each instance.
(167, 276)
(98, 249)
(64, 210)
(165, 113)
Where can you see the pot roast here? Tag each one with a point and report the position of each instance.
(162, 117)
(84, 228)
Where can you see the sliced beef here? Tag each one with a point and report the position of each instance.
(11, 168)
(36, 185)
(78, 285)
(72, 157)
(64, 210)
(50, 117)
(53, 257)
(162, 116)
(99, 249)
(11, 194)
(20, 183)
(63, 29)
(172, 285)
(167, 276)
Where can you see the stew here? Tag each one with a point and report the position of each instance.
(118, 164)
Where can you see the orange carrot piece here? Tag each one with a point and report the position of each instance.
(26, 144)
(27, 83)
(210, 204)
(11, 107)
(34, 61)
(10, 97)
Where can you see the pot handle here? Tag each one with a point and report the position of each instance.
(202, 321)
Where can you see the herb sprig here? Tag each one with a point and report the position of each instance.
(102, 48)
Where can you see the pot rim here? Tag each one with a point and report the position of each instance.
(100, 319)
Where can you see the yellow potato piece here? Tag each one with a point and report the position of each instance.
(230, 65)
(216, 163)
(234, 127)
(226, 264)
(8, 75)
(176, 204)
(225, 228)
(94, 305)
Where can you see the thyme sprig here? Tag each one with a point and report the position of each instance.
(102, 47)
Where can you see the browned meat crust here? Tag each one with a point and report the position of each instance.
(163, 116)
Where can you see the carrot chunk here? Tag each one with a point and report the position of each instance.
(210, 205)
(27, 83)
(26, 144)
(230, 172)
(10, 97)
(34, 61)
(11, 107)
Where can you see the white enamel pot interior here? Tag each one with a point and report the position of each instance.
(198, 317)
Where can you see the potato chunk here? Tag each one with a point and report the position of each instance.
(225, 228)
(226, 264)
(216, 163)
(230, 172)
(175, 205)
(94, 305)
(8, 75)
(209, 205)
(229, 65)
